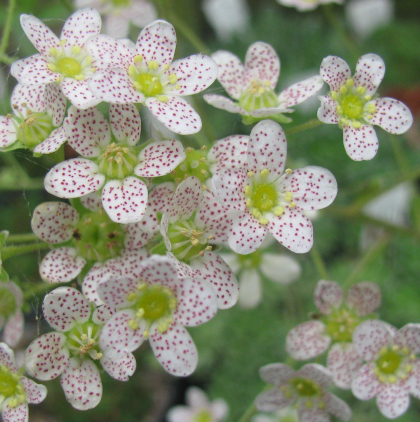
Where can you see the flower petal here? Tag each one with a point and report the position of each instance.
(102, 314)
(78, 93)
(53, 142)
(262, 63)
(231, 73)
(361, 144)
(229, 189)
(175, 350)
(194, 73)
(13, 329)
(327, 113)
(369, 337)
(393, 399)
(125, 201)
(47, 356)
(8, 134)
(280, 268)
(125, 123)
(30, 97)
(409, 337)
(65, 307)
(20, 413)
(35, 393)
(141, 12)
(74, 178)
(92, 201)
(364, 297)
(120, 367)
(250, 288)
(318, 373)
(7, 357)
(335, 72)
(176, 114)
(80, 26)
(328, 296)
(370, 70)
(81, 383)
(223, 103)
(114, 290)
(312, 415)
(111, 51)
(307, 340)
(276, 373)
(55, 102)
(365, 384)
(54, 222)
(392, 115)
(269, 111)
(37, 72)
(61, 265)
(300, 91)
(273, 399)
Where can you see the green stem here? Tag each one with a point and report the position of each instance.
(10, 251)
(34, 184)
(7, 28)
(21, 238)
(305, 126)
(399, 155)
(6, 59)
(40, 288)
(319, 263)
(250, 412)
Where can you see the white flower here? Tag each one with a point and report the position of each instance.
(16, 391)
(252, 86)
(11, 315)
(198, 408)
(264, 199)
(146, 74)
(353, 105)
(305, 5)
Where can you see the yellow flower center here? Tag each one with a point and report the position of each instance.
(203, 416)
(68, 66)
(341, 323)
(11, 386)
(258, 95)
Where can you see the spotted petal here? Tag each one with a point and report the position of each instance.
(35, 393)
(7, 357)
(120, 367)
(26, 97)
(114, 291)
(369, 337)
(300, 91)
(229, 187)
(360, 144)
(111, 51)
(273, 399)
(317, 373)
(393, 399)
(228, 153)
(55, 102)
(176, 114)
(53, 142)
(80, 26)
(13, 329)
(36, 72)
(125, 123)
(7, 132)
(327, 113)
(370, 70)
(92, 201)
(365, 384)
(364, 297)
(328, 296)
(175, 350)
(78, 93)
(81, 383)
(335, 72)
(20, 413)
(409, 337)
(224, 103)
(125, 201)
(54, 222)
(47, 356)
(276, 373)
(74, 178)
(392, 115)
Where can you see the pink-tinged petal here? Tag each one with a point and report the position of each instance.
(228, 153)
(87, 131)
(318, 373)
(364, 297)
(197, 302)
(128, 265)
(393, 399)
(273, 399)
(125, 123)
(262, 63)
(98, 273)
(229, 188)
(141, 12)
(111, 51)
(282, 269)
(35, 393)
(81, 383)
(92, 201)
(7, 357)
(194, 73)
(335, 72)
(159, 270)
(293, 230)
(120, 367)
(36, 72)
(276, 373)
(20, 413)
(313, 188)
(102, 314)
(79, 94)
(231, 73)
(30, 97)
(328, 296)
(224, 103)
(53, 142)
(414, 379)
(250, 291)
(312, 415)
(175, 350)
(118, 337)
(327, 113)
(307, 340)
(409, 337)
(176, 114)
(42, 38)
(114, 86)
(7, 132)
(365, 384)
(369, 337)
(267, 149)
(392, 115)
(80, 26)
(74, 178)
(343, 362)
(246, 234)
(13, 329)
(47, 356)
(160, 158)
(54, 222)
(370, 70)
(213, 269)
(55, 102)
(125, 201)
(65, 307)
(300, 91)
(360, 144)
(337, 407)
(61, 265)
(114, 291)
(157, 42)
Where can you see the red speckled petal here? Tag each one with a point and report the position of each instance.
(120, 367)
(328, 296)
(125, 123)
(273, 399)
(327, 113)
(80, 26)
(223, 103)
(370, 70)
(392, 115)
(111, 51)
(13, 329)
(361, 144)
(32, 96)
(335, 72)
(369, 337)
(409, 337)
(228, 153)
(7, 132)
(78, 93)
(365, 384)
(55, 102)
(317, 373)
(35, 393)
(53, 142)
(92, 201)
(229, 188)
(393, 399)
(36, 72)
(300, 91)
(20, 413)
(7, 357)
(364, 297)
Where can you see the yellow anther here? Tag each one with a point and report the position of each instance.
(88, 60)
(361, 89)
(395, 347)
(146, 334)
(211, 237)
(392, 379)
(138, 59)
(62, 42)
(80, 77)
(288, 196)
(250, 173)
(166, 66)
(278, 211)
(194, 241)
(83, 337)
(267, 83)
(162, 98)
(343, 89)
(376, 371)
(132, 296)
(356, 124)
(140, 313)
(203, 148)
(93, 69)
(119, 160)
(153, 65)
(53, 51)
(248, 190)
(173, 78)
(369, 116)
(177, 87)
(349, 82)
(256, 213)
(203, 171)
(408, 368)
(249, 202)
(264, 173)
(403, 377)
(111, 159)
(52, 67)
(208, 248)
(339, 109)
(264, 221)
(141, 286)
(76, 49)
(334, 95)
(368, 97)
(13, 402)
(289, 171)
(88, 221)
(203, 159)
(133, 324)
(261, 90)
(371, 108)
(292, 204)
(162, 327)
(344, 121)
(132, 71)
(8, 116)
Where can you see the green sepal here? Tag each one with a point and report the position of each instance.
(76, 203)
(85, 270)
(4, 277)
(279, 117)
(159, 249)
(159, 216)
(15, 145)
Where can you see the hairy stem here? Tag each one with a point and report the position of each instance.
(10, 251)
(7, 29)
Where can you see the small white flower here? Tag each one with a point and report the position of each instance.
(352, 103)
(11, 315)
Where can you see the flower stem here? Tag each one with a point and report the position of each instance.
(21, 238)
(10, 251)
(305, 126)
(250, 412)
(7, 29)
(399, 155)
(6, 59)
(319, 263)
(40, 288)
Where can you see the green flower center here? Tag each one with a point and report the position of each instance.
(264, 197)
(153, 304)
(203, 416)
(187, 241)
(98, 238)
(118, 160)
(352, 106)
(148, 84)
(8, 303)
(82, 340)
(195, 164)
(341, 323)
(68, 66)
(305, 387)
(258, 95)
(33, 129)
(389, 362)
(11, 386)
(120, 3)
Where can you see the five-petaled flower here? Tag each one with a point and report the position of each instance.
(353, 104)
(264, 199)
(252, 86)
